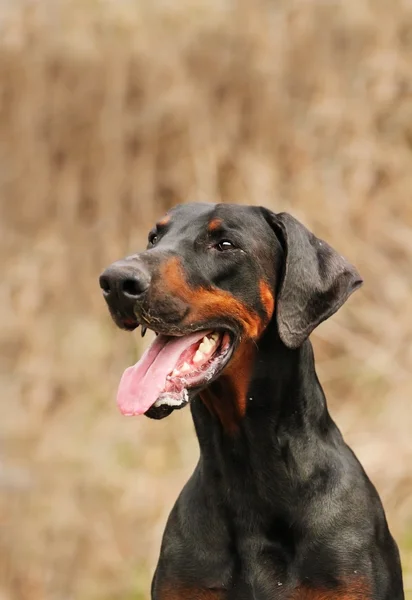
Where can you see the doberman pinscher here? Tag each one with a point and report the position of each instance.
(278, 506)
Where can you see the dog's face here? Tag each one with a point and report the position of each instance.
(210, 281)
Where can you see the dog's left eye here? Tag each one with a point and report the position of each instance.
(153, 237)
(225, 245)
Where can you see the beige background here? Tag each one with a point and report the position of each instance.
(110, 112)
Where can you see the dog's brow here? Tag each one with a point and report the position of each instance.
(163, 222)
(215, 224)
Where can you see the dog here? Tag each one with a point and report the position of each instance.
(278, 506)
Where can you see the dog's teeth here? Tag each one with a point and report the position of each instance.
(215, 337)
(198, 357)
(185, 368)
(204, 346)
(207, 344)
(143, 331)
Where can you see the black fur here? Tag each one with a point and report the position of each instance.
(282, 504)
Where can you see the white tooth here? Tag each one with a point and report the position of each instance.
(198, 357)
(185, 368)
(213, 342)
(215, 337)
(204, 347)
(209, 343)
(175, 373)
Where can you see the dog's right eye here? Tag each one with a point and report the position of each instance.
(225, 245)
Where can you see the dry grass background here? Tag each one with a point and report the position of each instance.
(110, 112)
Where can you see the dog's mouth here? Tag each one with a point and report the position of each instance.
(171, 369)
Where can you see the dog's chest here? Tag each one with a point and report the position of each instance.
(228, 566)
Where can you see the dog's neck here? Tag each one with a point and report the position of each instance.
(284, 413)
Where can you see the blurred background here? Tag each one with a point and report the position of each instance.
(111, 112)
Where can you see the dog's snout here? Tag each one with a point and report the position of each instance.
(124, 282)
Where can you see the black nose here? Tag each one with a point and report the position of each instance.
(124, 282)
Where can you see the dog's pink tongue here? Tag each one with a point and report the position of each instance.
(141, 384)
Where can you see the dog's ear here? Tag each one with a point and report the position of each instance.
(315, 281)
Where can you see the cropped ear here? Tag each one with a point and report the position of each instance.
(316, 280)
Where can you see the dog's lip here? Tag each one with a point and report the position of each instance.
(182, 333)
(176, 331)
(130, 324)
(158, 326)
(126, 322)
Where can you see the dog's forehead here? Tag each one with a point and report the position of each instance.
(240, 217)
(198, 217)
(186, 215)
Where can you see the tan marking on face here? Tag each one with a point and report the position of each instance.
(214, 224)
(226, 398)
(164, 221)
(206, 303)
(267, 299)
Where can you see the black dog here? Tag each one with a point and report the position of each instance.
(278, 507)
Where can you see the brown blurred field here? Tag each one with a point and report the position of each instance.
(110, 112)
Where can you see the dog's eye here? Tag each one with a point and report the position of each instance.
(225, 245)
(153, 237)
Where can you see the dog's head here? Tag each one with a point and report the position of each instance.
(211, 280)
